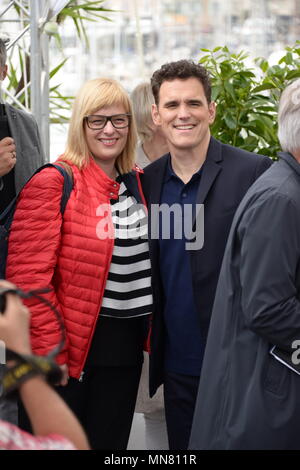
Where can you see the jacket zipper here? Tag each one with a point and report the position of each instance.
(106, 275)
(97, 316)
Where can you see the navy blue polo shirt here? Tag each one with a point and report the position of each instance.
(183, 347)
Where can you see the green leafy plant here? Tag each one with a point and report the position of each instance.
(79, 12)
(247, 96)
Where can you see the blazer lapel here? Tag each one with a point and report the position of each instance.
(130, 181)
(211, 169)
(157, 181)
(13, 124)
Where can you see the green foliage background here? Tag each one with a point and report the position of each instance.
(247, 97)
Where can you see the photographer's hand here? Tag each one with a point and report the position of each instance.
(14, 323)
(47, 412)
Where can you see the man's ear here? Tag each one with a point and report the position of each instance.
(212, 107)
(155, 115)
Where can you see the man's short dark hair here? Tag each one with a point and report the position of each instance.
(181, 69)
(3, 53)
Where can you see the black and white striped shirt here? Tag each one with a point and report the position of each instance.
(128, 288)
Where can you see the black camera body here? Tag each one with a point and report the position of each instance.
(2, 300)
(2, 303)
(3, 293)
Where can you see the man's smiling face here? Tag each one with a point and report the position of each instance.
(184, 114)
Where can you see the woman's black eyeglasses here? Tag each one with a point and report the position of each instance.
(97, 122)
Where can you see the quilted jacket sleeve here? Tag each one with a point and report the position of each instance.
(33, 248)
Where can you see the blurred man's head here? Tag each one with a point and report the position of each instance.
(3, 58)
(289, 118)
(142, 100)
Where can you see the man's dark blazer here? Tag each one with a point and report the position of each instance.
(227, 174)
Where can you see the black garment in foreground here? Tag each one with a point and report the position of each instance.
(104, 403)
(180, 393)
(106, 396)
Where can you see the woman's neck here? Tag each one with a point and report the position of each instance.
(108, 168)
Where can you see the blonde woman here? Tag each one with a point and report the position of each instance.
(95, 260)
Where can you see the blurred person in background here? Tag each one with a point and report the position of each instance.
(152, 142)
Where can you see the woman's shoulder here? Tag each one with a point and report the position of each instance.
(46, 177)
(45, 183)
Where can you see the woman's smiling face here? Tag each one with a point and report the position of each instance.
(108, 143)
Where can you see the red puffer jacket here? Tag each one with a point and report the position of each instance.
(66, 256)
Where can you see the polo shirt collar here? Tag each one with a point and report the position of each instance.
(170, 172)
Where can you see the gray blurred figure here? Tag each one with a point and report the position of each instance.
(21, 154)
(249, 393)
(21, 150)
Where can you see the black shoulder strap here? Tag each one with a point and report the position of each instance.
(7, 215)
(68, 186)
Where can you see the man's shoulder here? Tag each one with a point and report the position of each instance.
(282, 181)
(153, 174)
(277, 184)
(20, 113)
(244, 156)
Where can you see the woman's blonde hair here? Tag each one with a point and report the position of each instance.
(142, 100)
(93, 95)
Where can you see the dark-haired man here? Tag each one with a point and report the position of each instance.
(198, 170)
(21, 151)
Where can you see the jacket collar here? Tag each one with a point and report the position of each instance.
(210, 169)
(12, 118)
(169, 172)
(101, 181)
(290, 160)
(131, 183)
(158, 178)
